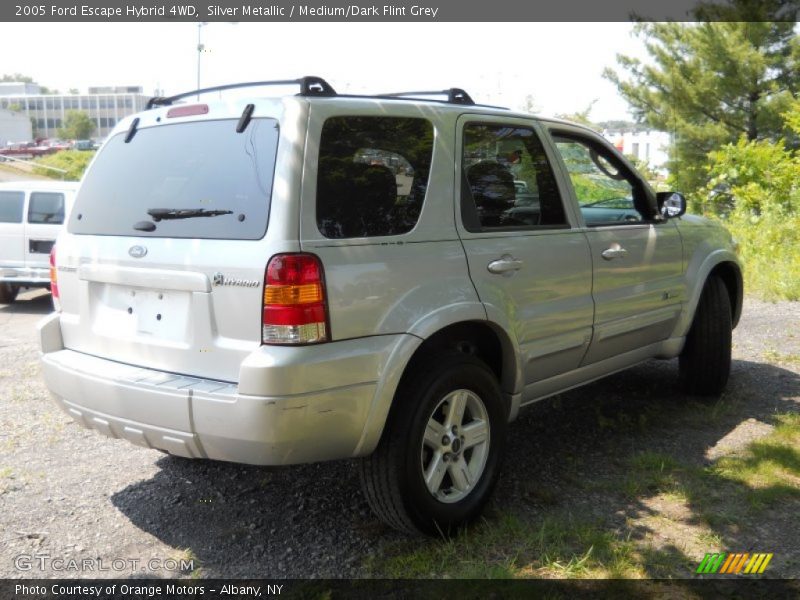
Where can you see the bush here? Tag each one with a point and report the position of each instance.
(763, 180)
(74, 162)
(768, 247)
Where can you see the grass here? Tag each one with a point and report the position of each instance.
(721, 500)
(510, 547)
(770, 468)
(185, 557)
(773, 356)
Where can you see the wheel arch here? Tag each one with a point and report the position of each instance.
(723, 264)
(480, 338)
(731, 276)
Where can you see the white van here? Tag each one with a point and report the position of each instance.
(31, 215)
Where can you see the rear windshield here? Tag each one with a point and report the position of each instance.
(11, 207)
(203, 166)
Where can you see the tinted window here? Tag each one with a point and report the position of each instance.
(201, 165)
(607, 194)
(373, 174)
(507, 180)
(11, 207)
(46, 208)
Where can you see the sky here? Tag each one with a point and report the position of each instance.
(559, 64)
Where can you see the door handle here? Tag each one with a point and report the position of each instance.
(615, 251)
(505, 265)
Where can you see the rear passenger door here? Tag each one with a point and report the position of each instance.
(12, 247)
(637, 258)
(45, 216)
(531, 268)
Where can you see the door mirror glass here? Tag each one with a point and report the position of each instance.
(671, 204)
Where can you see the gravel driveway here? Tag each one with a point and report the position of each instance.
(66, 492)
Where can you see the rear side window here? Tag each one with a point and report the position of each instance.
(46, 207)
(184, 169)
(11, 207)
(373, 175)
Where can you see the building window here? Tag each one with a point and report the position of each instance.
(635, 149)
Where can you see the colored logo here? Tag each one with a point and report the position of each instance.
(726, 563)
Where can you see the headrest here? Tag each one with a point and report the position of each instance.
(492, 185)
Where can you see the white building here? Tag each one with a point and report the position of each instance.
(14, 127)
(104, 105)
(647, 145)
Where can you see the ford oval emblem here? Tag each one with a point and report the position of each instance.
(137, 251)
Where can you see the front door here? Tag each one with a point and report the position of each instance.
(636, 260)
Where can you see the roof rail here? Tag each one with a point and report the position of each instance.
(454, 95)
(309, 86)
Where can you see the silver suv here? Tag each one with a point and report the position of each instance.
(319, 276)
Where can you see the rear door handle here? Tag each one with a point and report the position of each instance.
(615, 251)
(505, 265)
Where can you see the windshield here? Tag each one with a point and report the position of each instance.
(199, 166)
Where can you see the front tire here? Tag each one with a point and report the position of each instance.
(705, 362)
(439, 457)
(8, 293)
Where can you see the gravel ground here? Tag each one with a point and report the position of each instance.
(69, 493)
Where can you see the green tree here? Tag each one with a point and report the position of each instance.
(708, 83)
(582, 117)
(77, 126)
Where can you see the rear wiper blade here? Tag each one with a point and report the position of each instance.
(184, 213)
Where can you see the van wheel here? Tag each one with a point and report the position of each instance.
(705, 362)
(8, 293)
(440, 454)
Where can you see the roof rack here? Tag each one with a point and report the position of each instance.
(454, 95)
(309, 86)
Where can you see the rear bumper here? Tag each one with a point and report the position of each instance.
(28, 276)
(201, 418)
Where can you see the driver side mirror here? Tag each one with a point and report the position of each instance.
(671, 204)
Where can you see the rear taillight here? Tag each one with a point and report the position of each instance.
(54, 279)
(295, 310)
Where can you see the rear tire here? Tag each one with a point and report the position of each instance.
(440, 454)
(8, 293)
(705, 362)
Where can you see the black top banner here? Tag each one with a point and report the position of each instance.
(396, 10)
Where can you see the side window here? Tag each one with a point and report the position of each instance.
(373, 175)
(507, 181)
(11, 207)
(606, 193)
(46, 208)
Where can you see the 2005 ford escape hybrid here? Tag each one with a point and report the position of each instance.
(317, 276)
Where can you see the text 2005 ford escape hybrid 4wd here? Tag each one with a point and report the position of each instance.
(316, 276)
